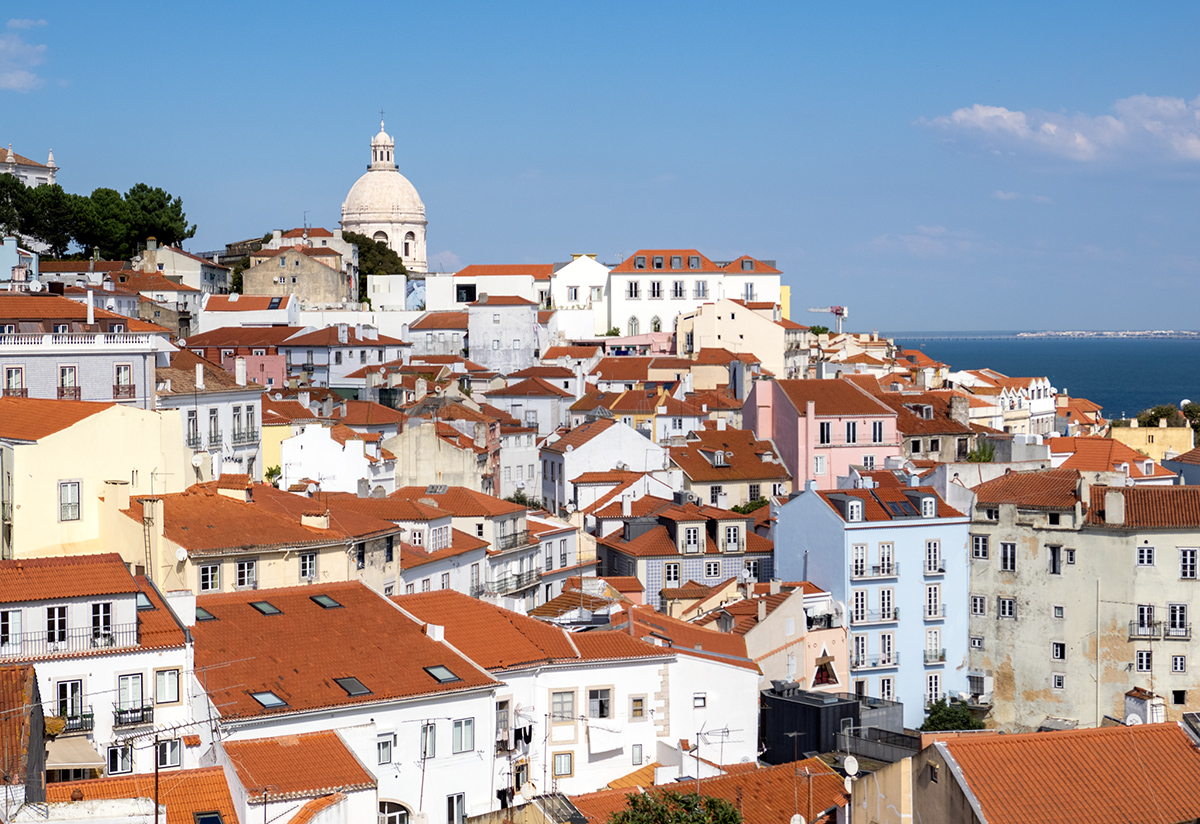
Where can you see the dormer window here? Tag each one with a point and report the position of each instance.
(928, 507)
(854, 511)
(694, 262)
(658, 261)
(639, 262)
(1148, 468)
(747, 265)
(676, 262)
(719, 459)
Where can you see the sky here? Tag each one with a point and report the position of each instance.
(930, 166)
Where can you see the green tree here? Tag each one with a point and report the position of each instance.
(14, 199)
(154, 213)
(235, 274)
(374, 258)
(50, 218)
(1191, 412)
(102, 225)
(747, 508)
(671, 807)
(819, 330)
(613, 333)
(943, 716)
(272, 474)
(1151, 417)
(519, 497)
(984, 452)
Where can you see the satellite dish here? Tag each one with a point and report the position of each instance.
(310, 489)
(850, 765)
(528, 790)
(797, 819)
(198, 460)
(1133, 719)
(847, 784)
(181, 555)
(35, 286)
(745, 575)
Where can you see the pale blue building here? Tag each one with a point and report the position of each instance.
(16, 264)
(898, 556)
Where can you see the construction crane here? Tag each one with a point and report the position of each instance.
(839, 312)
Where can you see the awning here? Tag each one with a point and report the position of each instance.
(72, 754)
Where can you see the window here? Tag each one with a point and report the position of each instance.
(120, 760)
(733, 538)
(14, 380)
(656, 288)
(858, 561)
(563, 764)
(691, 539)
(1069, 556)
(308, 566)
(456, 809)
(102, 621)
(978, 605)
(671, 573)
(1187, 563)
(755, 492)
(851, 431)
(636, 751)
(1144, 660)
(658, 262)
(169, 753)
(677, 289)
(1058, 650)
(562, 552)
(887, 689)
(1007, 608)
(70, 698)
(933, 601)
(699, 700)
(247, 574)
(979, 547)
(1177, 621)
(854, 511)
(916, 445)
(383, 748)
(701, 288)
(935, 445)
(928, 507)
(1178, 663)
(1058, 612)
(933, 555)
(210, 578)
(68, 501)
(1008, 557)
(445, 580)
(166, 687)
(562, 706)
(10, 629)
(56, 625)
(992, 514)
(600, 703)
(877, 432)
(549, 556)
(976, 642)
(428, 740)
(818, 464)
(712, 569)
(868, 461)
(637, 707)
(633, 290)
(464, 735)
(714, 494)
(1055, 560)
(409, 589)
(1145, 556)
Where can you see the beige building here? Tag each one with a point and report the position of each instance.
(1160, 442)
(758, 328)
(56, 457)
(1079, 593)
(312, 273)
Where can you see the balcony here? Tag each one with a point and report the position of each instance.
(874, 616)
(477, 589)
(859, 662)
(931, 698)
(309, 366)
(936, 568)
(826, 621)
(16, 392)
(877, 571)
(1144, 629)
(512, 583)
(214, 439)
(124, 391)
(1177, 632)
(45, 343)
(935, 613)
(245, 436)
(69, 393)
(132, 716)
(516, 539)
(84, 639)
(935, 656)
(83, 721)
(193, 440)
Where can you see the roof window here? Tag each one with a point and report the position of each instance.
(658, 261)
(266, 608)
(437, 489)
(274, 304)
(676, 262)
(204, 615)
(352, 686)
(324, 601)
(442, 674)
(268, 699)
(209, 817)
(639, 262)
(854, 511)
(747, 265)
(694, 262)
(144, 602)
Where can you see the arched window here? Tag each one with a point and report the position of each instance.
(655, 324)
(410, 244)
(381, 237)
(392, 813)
(633, 326)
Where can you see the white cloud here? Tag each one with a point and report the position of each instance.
(25, 23)
(444, 262)
(16, 59)
(926, 242)
(1000, 194)
(1160, 127)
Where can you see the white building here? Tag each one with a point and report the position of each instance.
(596, 446)
(338, 458)
(503, 333)
(534, 402)
(520, 466)
(183, 267)
(385, 206)
(220, 311)
(579, 292)
(29, 171)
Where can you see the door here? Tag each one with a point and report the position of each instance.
(129, 695)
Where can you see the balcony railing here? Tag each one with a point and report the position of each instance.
(124, 391)
(935, 613)
(134, 715)
(868, 661)
(244, 436)
(932, 697)
(16, 392)
(1139, 629)
(1178, 632)
(214, 439)
(193, 440)
(511, 583)
(83, 721)
(69, 393)
(936, 568)
(935, 656)
(477, 589)
(44, 340)
(309, 366)
(875, 616)
(83, 639)
(516, 539)
(877, 571)
(826, 621)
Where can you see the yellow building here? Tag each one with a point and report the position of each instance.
(1158, 442)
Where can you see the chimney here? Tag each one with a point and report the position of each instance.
(721, 424)
(277, 236)
(343, 333)
(364, 488)
(960, 410)
(327, 407)
(109, 286)
(762, 610)
(436, 632)
(200, 376)
(239, 371)
(626, 506)
(776, 586)
(151, 244)
(1162, 423)
(315, 520)
(91, 307)
(119, 490)
(481, 435)
(1114, 507)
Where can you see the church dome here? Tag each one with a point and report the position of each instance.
(381, 194)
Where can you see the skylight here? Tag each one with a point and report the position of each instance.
(211, 817)
(352, 686)
(266, 607)
(144, 602)
(324, 601)
(204, 615)
(268, 699)
(442, 674)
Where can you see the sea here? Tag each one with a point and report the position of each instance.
(1123, 375)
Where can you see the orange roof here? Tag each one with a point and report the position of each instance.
(136, 281)
(183, 792)
(571, 352)
(311, 251)
(158, 628)
(876, 502)
(745, 612)
(66, 576)
(458, 501)
(743, 457)
(245, 303)
(82, 265)
(539, 271)
(628, 265)
(909, 422)
(624, 583)
(368, 413)
(832, 398)
(16, 306)
(329, 337)
(297, 766)
(412, 557)
(1106, 775)
(1189, 457)
(1047, 489)
(31, 419)
(580, 435)
(317, 805)
(626, 368)
(502, 300)
(297, 654)
(1149, 507)
(309, 231)
(1095, 454)
(530, 387)
(232, 337)
(542, 372)
(441, 320)
(569, 601)
(685, 638)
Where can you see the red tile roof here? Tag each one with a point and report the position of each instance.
(571, 352)
(743, 457)
(158, 628)
(232, 337)
(908, 422)
(412, 557)
(745, 612)
(15, 306)
(626, 368)
(685, 638)
(1105, 775)
(1095, 454)
(543, 372)
(502, 300)
(1189, 457)
(66, 576)
(606, 478)
(875, 501)
(296, 655)
(297, 766)
(832, 398)
(82, 265)
(627, 265)
(539, 271)
(1149, 507)
(441, 320)
(1047, 489)
(530, 387)
(31, 419)
(580, 435)
(135, 281)
(329, 337)
(183, 792)
(459, 501)
(310, 231)
(368, 413)
(244, 303)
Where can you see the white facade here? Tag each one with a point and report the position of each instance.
(639, 298)
(222, 428)
(618, 447)
(28, 171)
(560, 556)
(579, 293)
(337, 467)
(209, 317)
(520, 467)
(186, 268)
(385, 206)
(503, 334)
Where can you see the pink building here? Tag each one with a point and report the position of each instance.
(822, 427)
(266, 370)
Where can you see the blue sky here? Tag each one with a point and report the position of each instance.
(932, 166)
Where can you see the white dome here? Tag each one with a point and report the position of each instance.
(383, 195)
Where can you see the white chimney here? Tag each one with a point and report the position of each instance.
(626, 506)
(91, 307)
(239, 369)
(436, 632)
(1114, 507)
(200, 376)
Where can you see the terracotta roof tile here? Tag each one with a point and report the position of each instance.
(832, 398)
(441, 320)
(297, 766)
(539, 271)
(743, 457)
(31, 419)
(307, 231)
(1047, 489)
(459, 501)
(17, 683)
(60, 577)
(628, 265)
(1095, 454)
(184, 793)
(571, 352)
(15, 306)
(1149, 507)
(580, 435)
(158, 628)
(685, 638)
(413, 557)
(530, 387)
(626, 368)
(1190, 457)
(876, 502)
(502, 300)
(329, 337)
(909, 422)
(244, 303)
(569, 601)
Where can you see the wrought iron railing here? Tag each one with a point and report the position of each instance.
(244, 436)
(868, 661)
(214, 439)
(875, 616)
(126, 717)
(69, 393)
(54, 642)
(516, 539)
(876, 571)
(511, 583)
(124, 391)
(935, 656)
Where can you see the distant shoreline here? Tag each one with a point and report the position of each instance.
(1156, 334)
